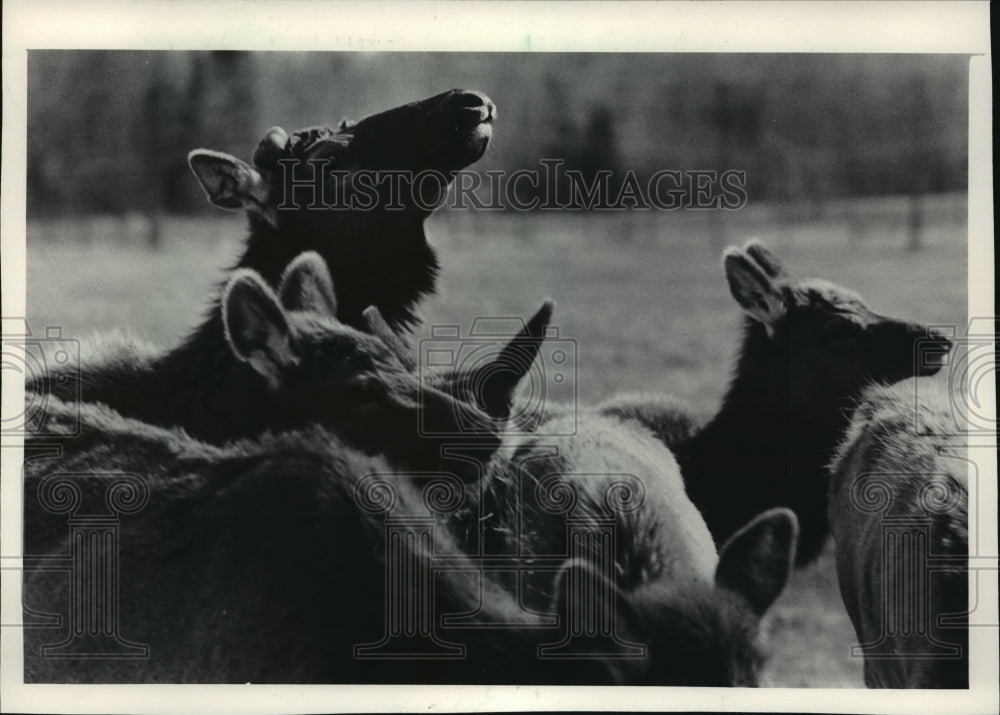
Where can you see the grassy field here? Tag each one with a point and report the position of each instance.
(643, 297)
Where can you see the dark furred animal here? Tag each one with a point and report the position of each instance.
(378, 255)
(809, 348)
(368, 420)
(289, 363)
(252, 562)
(696, 611)
(899, 515)
(376, 248)
(234, 571)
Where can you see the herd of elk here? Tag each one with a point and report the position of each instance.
(254, 558)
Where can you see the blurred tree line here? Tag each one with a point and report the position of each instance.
(109, 131)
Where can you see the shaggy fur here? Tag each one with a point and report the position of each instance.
(667, 417)
(809, 347)
(900, 460)
(252, 562)
(672, 593)
(236, 570)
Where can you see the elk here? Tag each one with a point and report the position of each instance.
(655, 572)
(233, 504)
(900, 482)
(248, 562)
(304, 193)
(288, 363)
(258, 561)
(265, 602)
(670, 586)
(809, 348)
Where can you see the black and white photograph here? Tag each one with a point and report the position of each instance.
(642, 348)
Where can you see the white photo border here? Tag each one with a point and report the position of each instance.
(892, 27)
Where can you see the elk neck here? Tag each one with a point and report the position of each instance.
(201, 386)
(765, 447)
(375, 258)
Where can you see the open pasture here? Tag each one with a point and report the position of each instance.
(642, 295)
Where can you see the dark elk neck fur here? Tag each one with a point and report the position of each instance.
(764, 448)
(376, 259)
(198, 385)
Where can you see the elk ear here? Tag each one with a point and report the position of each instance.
(256, 326)
(753, 289)
(346, 124)
(306, 285)
(498, 380)
(376, 325)
(757, 560)
(581, 592)
(756, 249)
(229, 182)
(270, 148)
(580, 585)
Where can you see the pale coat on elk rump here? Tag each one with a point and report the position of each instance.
(899, 513)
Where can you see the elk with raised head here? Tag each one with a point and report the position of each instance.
(347, 194)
